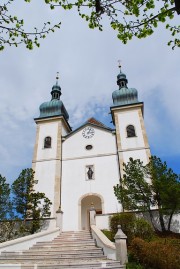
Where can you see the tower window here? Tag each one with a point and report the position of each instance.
(130, 131)
(47, 142)
(122, 84)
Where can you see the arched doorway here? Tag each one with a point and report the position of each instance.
(85, 203)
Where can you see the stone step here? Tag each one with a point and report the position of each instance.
(59, 250)
(55, 259)
(67, 240)
(65, 248)
(55, 244)
(76, 250)
(50, 253)
(72, 239)
(76, 232)
(79, 265)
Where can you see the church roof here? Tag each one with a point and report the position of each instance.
(124, 95)
(55, 106)
(96, 122)
(91, 121)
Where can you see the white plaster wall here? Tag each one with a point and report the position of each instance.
(138, 154)
(47, 129)
(103, 142)
(74, 186)
(24, 243)
(45, 174)
(64, 130)
(102, 222)
(126, 118)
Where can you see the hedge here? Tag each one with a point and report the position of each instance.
(155, 254)
(131, 226)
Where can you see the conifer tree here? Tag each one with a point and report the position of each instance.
(30, 205)
(5, 204)
(151, 186)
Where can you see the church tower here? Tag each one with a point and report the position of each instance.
(52, 124)
(127, 115)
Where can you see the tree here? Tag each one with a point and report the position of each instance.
(151, 186)
(130, 18)
(13, 33)
(28, 203)
(165, 188)
(5, 204)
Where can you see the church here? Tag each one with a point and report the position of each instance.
(78, 168)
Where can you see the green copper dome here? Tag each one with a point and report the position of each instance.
(124, 95)
(55, 107)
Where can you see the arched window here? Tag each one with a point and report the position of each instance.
(122, 84)
(130, 131)
(47, 142)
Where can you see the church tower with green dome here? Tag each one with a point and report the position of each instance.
(127, 115)
(52, 124)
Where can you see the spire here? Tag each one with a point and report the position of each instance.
(56, 89)
(124, 95)
(119, 65)
(57, 77)
(121, 78)
(55, 107)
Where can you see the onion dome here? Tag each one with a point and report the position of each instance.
(55, 107)
(124, 95)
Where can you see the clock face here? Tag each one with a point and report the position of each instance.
(88, 132)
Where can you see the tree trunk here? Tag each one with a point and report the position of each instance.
(151, 218)
(170, 219)
(161, 220)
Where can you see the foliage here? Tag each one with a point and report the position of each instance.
(143, 229)
(131, 226)
(28, 203)
(126, 220)
(153, 185)
(133, 265)
(165, 185)
(12, 30)
(5, 204)
(8, 230)
(137, 18)
(22, 188)
(108, 234)
(155, 255)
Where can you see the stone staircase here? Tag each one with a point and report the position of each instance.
(68, 250)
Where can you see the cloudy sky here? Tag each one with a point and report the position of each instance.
(87, 62)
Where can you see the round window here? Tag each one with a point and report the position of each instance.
(89, 147)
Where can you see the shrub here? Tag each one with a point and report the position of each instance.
(155, 255)
(108, 234)
(133, 265)
(131, 226)
(126, 220)
(142, 229)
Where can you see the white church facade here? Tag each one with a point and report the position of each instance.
(78, 168)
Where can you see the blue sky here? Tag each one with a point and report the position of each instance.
(87, 62)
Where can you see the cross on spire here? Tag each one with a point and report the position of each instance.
(119, 65)
(57, 78)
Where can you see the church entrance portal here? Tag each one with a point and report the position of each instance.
(85, 205)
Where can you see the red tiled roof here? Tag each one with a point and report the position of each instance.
(96, 122)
